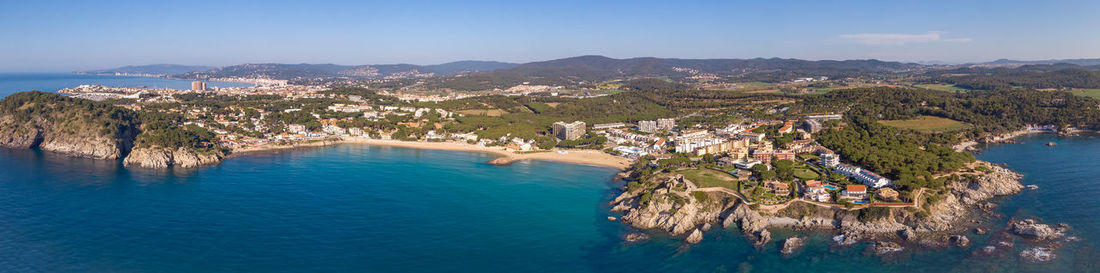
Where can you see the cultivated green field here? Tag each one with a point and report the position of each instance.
(928, 124)
(1092, 93)
(706, 178)
(942, 87)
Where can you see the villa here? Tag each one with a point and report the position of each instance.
(858, 192)
(815, 191)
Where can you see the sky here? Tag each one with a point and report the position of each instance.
(55, 36)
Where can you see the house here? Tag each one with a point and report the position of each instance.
(887, 194)
(746, 165)
(741, 175)
(727, 161)
(779, 188)
(815, 191)
(854, 192)
(787, 128)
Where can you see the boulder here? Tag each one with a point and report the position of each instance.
(959, 241)
(1038, 254)
(884, 248)
(1032, 230)
(792, 245)
(695, 237)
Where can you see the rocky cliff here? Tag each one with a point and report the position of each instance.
(71, 126)
(673, 204)
(160, 157)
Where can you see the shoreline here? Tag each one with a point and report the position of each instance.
(504, 156)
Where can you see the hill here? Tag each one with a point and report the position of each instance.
(584, 70)
(312, 71)
(153, 69)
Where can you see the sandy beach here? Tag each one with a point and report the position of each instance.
(586, 157)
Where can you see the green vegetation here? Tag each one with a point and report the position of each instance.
(941, 87)
(706, 178)
(1092, 92)
(912, 158)
(928, 124)
(76, 114)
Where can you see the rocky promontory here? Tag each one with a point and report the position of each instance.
(671, 203)
(160, 157)
(74, 127)
(85, 128)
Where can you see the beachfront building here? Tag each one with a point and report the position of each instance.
(857, 192)
(568, 131)
(863, 176)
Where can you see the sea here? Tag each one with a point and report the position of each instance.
(51, 82)
(363, 208)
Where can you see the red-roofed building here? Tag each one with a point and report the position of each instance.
(854, 192)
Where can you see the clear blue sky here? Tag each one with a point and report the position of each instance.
(62, 36)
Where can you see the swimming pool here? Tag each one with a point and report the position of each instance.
(829, 187)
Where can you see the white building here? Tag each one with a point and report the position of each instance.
(863, 176)
(829, 160)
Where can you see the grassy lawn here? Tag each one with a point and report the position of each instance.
(942, 87)
(806, 174)
(706, 178)
(1093, 93)
(928, 124)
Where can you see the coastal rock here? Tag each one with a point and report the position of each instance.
(667, 206)
(907, 234)
(1038, 254)
(695, 237)
(159, 157)
(885, 248)
(1030, 229)
(612, 218)
(792, 245)
(635, 237)
(501, 161)
(959, 241)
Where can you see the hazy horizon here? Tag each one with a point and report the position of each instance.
(78, 36)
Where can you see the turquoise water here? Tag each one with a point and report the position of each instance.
(51, 82)
(355, 208)
(385, 209)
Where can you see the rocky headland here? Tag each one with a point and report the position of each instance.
(673, 204)
(70, 126)
(84, 128)
(161, 157)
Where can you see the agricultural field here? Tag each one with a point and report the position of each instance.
(1092, 93)
(483, 112)
(942, 87)
(928, 124)
(706, 178)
